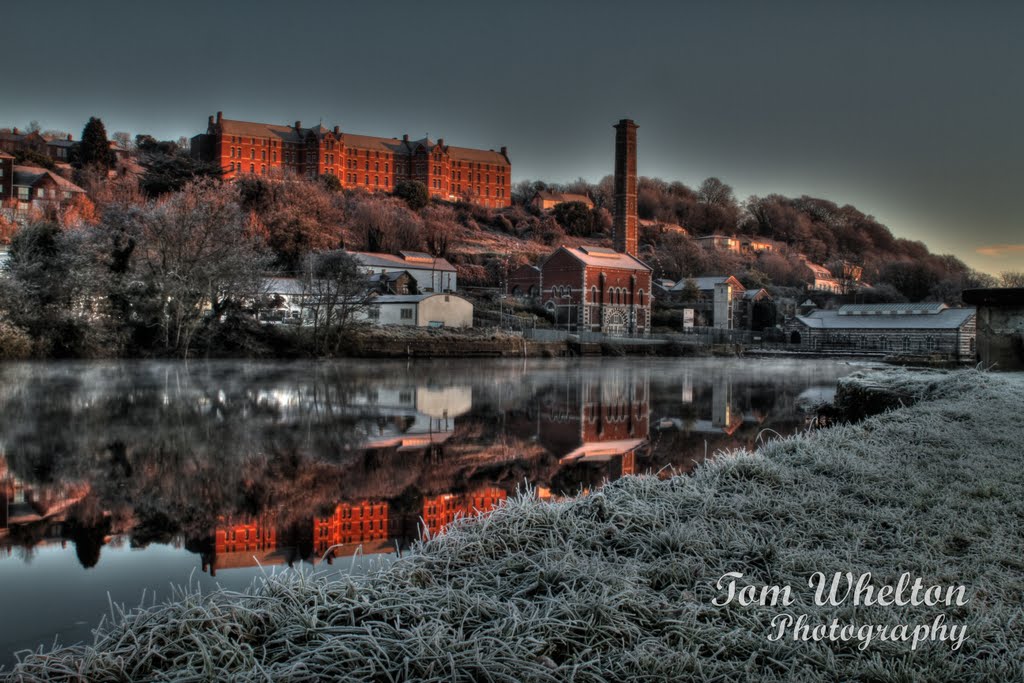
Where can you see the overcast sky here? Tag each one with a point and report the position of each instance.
(909, 111)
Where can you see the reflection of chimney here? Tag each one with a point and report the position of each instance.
(624, 237)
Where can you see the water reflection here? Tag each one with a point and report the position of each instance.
(247, 464)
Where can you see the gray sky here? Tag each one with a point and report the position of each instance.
(908, 110)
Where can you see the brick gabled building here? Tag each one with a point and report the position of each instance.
(483, 177)
(594, 289)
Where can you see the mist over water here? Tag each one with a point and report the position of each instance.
(127, 477)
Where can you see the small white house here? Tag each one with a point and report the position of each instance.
(432, 274)
(422, 310)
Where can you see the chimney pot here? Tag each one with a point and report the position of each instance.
(209, 120)
(504, 151)
(337, 130)
(219, 115)
(405, 137)
(298, 124)
(69, 137)
(16, 131)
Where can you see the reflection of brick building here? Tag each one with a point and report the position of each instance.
(440, 511)
(373, 163)
(251, 535)
(597, 420)
(351, 524)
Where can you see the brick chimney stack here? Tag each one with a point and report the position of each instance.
(624, 223)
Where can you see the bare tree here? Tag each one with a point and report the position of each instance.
(337, 294)
(199, 259)
(1011, 279)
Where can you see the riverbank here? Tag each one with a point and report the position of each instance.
(618, 585)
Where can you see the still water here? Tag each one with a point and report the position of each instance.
(118, 480)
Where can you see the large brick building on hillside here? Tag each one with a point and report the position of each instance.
(481, 176)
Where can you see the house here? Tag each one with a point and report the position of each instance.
(432, 274)
(394, 282)
(39, 188)
(755, 246)
(822, 280)
(483, 177)
(421, 310)
(905, 329)
(60, 149)
(546, 199)
(720, 242)
(17, 141)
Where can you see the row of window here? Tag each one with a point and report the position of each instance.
(614, 295)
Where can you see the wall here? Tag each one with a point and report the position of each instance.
(453, 311)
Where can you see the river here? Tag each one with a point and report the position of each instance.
(121, 479)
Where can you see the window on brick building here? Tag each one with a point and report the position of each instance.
(366, 180)
(252, 168)
(376, 181)
(252, 153)
(264, 154)
(387, 181)
(376, 166)
(367, 165)
(385, 168)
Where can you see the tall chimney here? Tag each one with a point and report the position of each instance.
(220, 115)
(624, 237)
(298, 124)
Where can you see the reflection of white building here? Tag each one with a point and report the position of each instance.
(411, 418)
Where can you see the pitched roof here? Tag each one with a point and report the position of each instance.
(947, 319)
(5, 155)
(564, 196)
(379, 144)
(29, 176)
(259, 130)
(924, 308)
(482, 155)
(604, 258)
(404, 262)
(707, 283)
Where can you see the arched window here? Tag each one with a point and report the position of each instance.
(641, 297)
(593, 294)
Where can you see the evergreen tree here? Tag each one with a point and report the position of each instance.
(94, 150)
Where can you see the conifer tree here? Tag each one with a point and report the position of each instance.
(94, 150)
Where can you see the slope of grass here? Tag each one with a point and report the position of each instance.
(619, 585)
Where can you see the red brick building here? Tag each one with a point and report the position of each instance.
(358, 161)
(593, 289)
